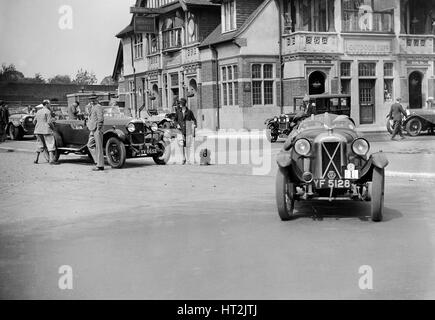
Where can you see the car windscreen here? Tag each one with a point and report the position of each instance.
(327, 120)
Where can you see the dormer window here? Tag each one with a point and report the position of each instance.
(228, 12)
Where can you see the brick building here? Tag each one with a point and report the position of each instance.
(263, 53)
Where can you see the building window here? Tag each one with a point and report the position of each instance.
(388, 82)
(417, 17)
(171, 33)
(228, 13)
(138, 46)
(345, 77)
(192, 28)
(367, 16)
(263, 84)
(303, 15)
(230, 85)
(367, 69)
(153, 43)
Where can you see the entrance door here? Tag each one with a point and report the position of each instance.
(367, 101)
(316, 83)
(415, 95)
(193, 97)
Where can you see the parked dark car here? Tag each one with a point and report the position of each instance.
(326, 159)
(420, 120)
(124, 138)
(282, 125)
(20, 123)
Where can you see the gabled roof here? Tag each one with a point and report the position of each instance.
(217, 36)
(119, 62)
(126, 31)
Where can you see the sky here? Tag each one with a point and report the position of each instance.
(61, 36)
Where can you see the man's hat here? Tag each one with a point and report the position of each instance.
(306, 98)
(183, 100)
(2, 102)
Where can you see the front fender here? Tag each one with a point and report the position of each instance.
(119, 133)
(284, 159)
(379, 160)
(415, 116)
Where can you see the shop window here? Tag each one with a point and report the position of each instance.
(138, 46)
(230, 89)
(263, 84)
(228, 15)
(305, 15)
(368, 15)
(345, 77)
(367, 69)
(388, 82)
(345, 69)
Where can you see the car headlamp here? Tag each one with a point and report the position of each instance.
(302, 147)
(131, 127)
(154, 127)
(360, 146)
(275, 119)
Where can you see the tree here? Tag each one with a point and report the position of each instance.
(60, 79)
(10, 73)
(108, 81)
(37, 78)
(85, 77)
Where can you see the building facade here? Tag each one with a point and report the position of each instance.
(261, 54)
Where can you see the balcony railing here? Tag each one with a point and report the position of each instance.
(172, 39)
(190, 54)
(153, 62)
(310, 42)
(365, 21)
(417, 44)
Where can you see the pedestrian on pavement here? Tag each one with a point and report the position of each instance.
(73, 111)
(95, 126)
(186, 122)
(4, 120)
(396, 112)
(44, 132)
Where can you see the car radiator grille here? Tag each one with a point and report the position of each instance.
(138, 137)
(331, 160)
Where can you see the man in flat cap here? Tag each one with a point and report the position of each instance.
(95, 126)
(396, 112)
(186, 121)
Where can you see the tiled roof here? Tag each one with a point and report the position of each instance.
(125, 31)
(218, 37)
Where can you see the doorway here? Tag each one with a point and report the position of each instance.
(367, 101)
(415, 94)
(192, 96)
(316, 83)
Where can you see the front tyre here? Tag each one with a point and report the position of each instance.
(115, 153)
(414, 126)
(165, 154)
(285, 196)
(377, 194)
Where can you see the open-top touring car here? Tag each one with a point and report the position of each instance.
(326, 159)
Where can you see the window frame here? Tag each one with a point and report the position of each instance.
(228, 25)
(262, 81)
(229, 84)
(138, 46)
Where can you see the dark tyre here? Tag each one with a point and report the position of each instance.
(414, 126)
(271, 134)
(390, 126)
(285, 196)
(56, 155)
(115, 153)
(377, 194)
(163, 157)
(15, 133)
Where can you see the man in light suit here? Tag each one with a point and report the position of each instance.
(95, 126)
(395, 114)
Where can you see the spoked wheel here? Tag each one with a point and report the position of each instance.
(271, 134)
(376, 191)
(285, 195)
(115, 153)
(413, 127)
(165, 154)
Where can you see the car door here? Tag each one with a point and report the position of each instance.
(73, 132)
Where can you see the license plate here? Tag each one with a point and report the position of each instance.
(326, 183)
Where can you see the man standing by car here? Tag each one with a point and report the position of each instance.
(186, 121)
(95, 126)
(44, 132)
(395, 114)
(4, 120)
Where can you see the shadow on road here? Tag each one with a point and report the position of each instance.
(320, 210)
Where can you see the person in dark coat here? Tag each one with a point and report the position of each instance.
(4, 120)
(396, 112)
(186, 121)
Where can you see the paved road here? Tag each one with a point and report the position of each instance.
(209, 232)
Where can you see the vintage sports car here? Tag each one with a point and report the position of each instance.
(420, 120)
(282, 125)
(326, 159)
(123, 138)
(20, 124)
